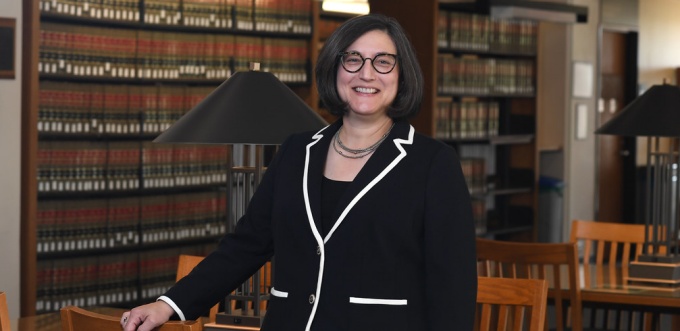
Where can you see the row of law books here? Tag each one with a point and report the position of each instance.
(474, 171)
(285, 16)
(104, 224)
(86, 281)
(116, 10)
(125, 279)
(484, 76)
(479, 215)
(326, 27)
(113, 109)
(479, 168)
(91, 166)
(466, 119)
(86, 51)
(475, 32)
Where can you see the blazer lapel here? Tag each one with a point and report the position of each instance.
(384, 159)
(313, 174)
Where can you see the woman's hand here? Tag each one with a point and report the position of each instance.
(146, 317)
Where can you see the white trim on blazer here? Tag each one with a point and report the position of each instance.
(397, 142)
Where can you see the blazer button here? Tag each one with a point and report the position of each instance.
(318, 250)
(311, 298)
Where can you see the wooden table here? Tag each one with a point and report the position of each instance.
(609, 286)
(642, 297)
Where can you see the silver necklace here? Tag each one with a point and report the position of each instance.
(357, 153)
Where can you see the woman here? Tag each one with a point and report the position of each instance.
(370, 222)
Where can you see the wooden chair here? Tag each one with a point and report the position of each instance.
(613, 245)
(4, 313)
(78, 319)
(508, 304)
(550, 262)
(187, 263)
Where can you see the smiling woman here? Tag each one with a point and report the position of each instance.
(409, 96)
(366, 90)
(370, 222)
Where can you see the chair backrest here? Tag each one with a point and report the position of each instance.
(611, 243)
(614, 245)
(511, 304)
(78, 319)
(187, 263)
(555, 263)
(4, 313)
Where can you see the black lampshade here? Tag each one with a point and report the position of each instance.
(655, 113)
(251, 107)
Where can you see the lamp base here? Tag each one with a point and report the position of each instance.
(235, 318)
(656, 270)
(650, 258)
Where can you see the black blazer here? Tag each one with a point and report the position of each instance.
(401, 255)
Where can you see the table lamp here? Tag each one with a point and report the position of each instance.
(656, 115)
(247, 111)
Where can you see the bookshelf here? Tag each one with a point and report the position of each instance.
(105, 212)
(480, 98)
(324, 24)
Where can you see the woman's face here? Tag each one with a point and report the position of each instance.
(368, 92)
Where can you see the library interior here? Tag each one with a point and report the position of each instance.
(95, 211)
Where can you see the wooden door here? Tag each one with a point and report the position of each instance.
(616, 159)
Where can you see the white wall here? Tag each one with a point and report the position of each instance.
(10, 171)
(659, 45)
(579, 156)
(658, 50)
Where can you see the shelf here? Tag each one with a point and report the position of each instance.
(489, 53)
(60, 18)
(146, 81)
(86, 195)
(509, 139)
(97, 136)
(488, 95)
(140, 247)
(134, 81)
(194, 83)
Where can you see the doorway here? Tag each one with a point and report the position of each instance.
(616, 155)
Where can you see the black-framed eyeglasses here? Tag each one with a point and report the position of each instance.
(383, 63)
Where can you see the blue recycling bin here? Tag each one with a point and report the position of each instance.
(550, 206)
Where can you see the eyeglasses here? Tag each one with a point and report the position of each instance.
(383, 63)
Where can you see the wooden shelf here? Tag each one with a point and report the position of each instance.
(31, 198)
(488, 53)
(514, 148)
(72, 19)
(139, 247)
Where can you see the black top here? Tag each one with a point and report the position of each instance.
(331, 192)
(401, 258)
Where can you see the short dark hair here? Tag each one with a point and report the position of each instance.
(410, 89)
